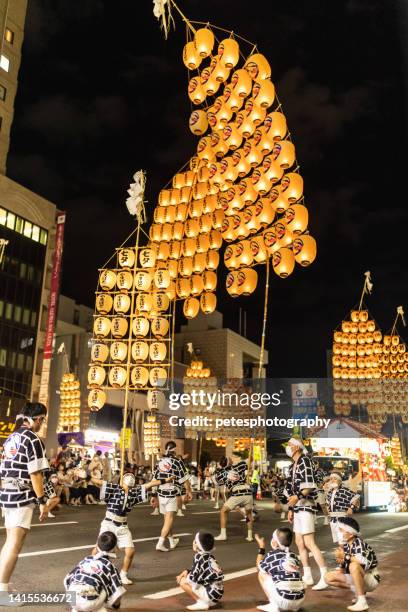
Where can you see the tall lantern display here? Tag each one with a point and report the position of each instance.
(70, 404)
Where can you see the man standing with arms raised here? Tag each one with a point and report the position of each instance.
(302, 489)
(170, 466)
(22, 485)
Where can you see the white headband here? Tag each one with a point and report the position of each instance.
(299, 443)
(25, 418)
(198, 543)
(348, 528)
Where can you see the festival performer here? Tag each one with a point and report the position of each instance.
(358, 564)
(279, 573)
(341, 502)
(280, 499)
(204, 581)
(169, 468)
(22, 485)
(120, 499)
(302, 491)
(240, 496)
(219, 482)
(95, 580)
(321, 479)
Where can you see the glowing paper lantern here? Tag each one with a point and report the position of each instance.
(140, 327)
(204, 42)
(104, 303)
(208, 302)
(118, 351)
(159, 326)
(139, 376)
(96, 376)
(212, 260)
(231, 99)
(96, 399)
(292, 186)
(196, 91)
(275, 124)
(107, 279)
(161, 279)
(185, 268)
(283, 262)
(99, 352)
(296, 218)
(228, 52)
(144, 302)
(102, 327)
(264, 93)
(191, 307)
(254, 112)
(191, 56)
(244, 125)
(126, 258)
(241, 83)
(143, 280)
(147, 258)
(284, 153)
(197, 284)
(158, 377)
(124, 281)
(183, 287)
(157, 351)
(304, 250)
(258, 67)
(258, 248)
(119, 327)
(140, 351)
(247, 280)
(155, 400)
(160, 302)
(209, 280)
(199, 261)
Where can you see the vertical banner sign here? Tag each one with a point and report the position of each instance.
(52, 309)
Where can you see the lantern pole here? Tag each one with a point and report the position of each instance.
(265, 316)
(184, 18)
(400, 313)
(366, 288)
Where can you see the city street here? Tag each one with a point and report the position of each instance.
(53, 548)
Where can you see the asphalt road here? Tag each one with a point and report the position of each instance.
(53, 548)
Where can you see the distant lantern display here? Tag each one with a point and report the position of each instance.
(70, 404)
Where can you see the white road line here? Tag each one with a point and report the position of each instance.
(178, 590)
(207, 512)
(58, 550)
(396, 529)
(52, 524)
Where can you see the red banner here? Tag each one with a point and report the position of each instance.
(52, 308)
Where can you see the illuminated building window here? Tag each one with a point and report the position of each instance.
(43, 237)
(33, 318)
(28, 228)
(11, 220)
(23, 270)
(4, 63)
(1, 308)
(3, 216)
(3, 357)
(35, 233)
(3, 93)
(17, 314)
(9, 36)
(12, 356)
(26, 316)
(9, 311)
(20, 361)
(19, 225)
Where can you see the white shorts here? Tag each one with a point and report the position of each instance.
(240, 501)
(167, 504)
(303, 522)
(18, 517)
(274, 597)
(122, 532)
(370, 582)
(200, 591)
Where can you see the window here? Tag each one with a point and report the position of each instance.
(3, 357)
(43, 237)
(30, 273)
(27, 229)
(36, 233)
(3, 93)
(23, 270)
(17, 314)
(26, 316)
(11, 220)
(9, 311)
(76, 317)
(3, 216)
(33, 318)
(9, 36)
(20, 361)
(4, 62)
(12, 359)
(19, 225)
(1, 308)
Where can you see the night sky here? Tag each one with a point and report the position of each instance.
(102, 94)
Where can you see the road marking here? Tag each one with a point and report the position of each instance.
(58, 550)
(396, 529)
(207, 512)
(51, 524)
(178, 590)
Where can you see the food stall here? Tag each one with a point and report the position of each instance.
(359, 452)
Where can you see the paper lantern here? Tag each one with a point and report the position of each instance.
(258, 67)
(160, 302)
(124, 281)
(275, 125)
(215, 239)
(126, 258)
(167, 233)
(157, 351)
(163, 252)
(258, 249)
(107, 280)
(241, 83)
(231, 99)
(204, 42)
(199, 261)
(140, 327)
(198, 122)
(183, 287)
(192, 228)
(99, 352)
(170, 215)
(292, 186)
(218, 219)
(212, 85)
(209, 280)
(228, 52)
(296, 218)
(185, 267)
(155, 231)
(254, 112)
(214, 122)
(203, 243)
(171, 290)
(175, 249)
(164, 197)
(119, 327)
(304, 250)
(264, 212)
(191, 56)
(284, 153)
(191, 307)
(102, 327)
(229, 228)
(104, 303)
(230, 259)
(218, 144)
(244, 124)
(147, 258)
(264, 142)
(96, 399)
(158, 377)
(161, 279)
(139, 376)
(212, 260)
(251, 153)
(243, 253)
(204, 150)
(155, 400)
(208, 302)
(144, 302)
(197, 284)
(189, 247)
(241, 163)
(118, 351)
(283, 262)
(96, 376)
(260, 182)
(159, 326)
(209, 204)
(196, 91)
(263, 93)
(143, 281)
(178, 181)
(140, 351)
(232, 136)
(270, 241)
(272, 169)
